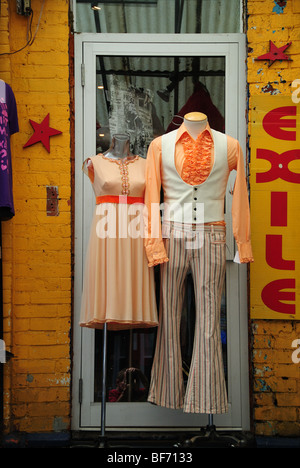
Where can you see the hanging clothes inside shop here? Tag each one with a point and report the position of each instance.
(192, 165)
(199, 101)
(8, 126)
(118, 286)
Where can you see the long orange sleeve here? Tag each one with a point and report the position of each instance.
(154, 245)
(240, 203)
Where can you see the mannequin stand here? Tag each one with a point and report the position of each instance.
(102, 441)
(209, 437)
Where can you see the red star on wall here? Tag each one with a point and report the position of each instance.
(42, 133)
(276, 53)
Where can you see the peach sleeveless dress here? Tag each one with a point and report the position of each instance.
(118, 284)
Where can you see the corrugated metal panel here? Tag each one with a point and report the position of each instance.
(198, 16)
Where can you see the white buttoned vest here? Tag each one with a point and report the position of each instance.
(202, 203)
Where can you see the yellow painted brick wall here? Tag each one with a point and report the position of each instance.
(276, 378)
(37, 247)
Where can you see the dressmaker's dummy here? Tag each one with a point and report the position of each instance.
(192, 165)
(195, 123)
(118, 285)
(119, 148)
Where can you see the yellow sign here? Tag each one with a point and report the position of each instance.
(275, 214)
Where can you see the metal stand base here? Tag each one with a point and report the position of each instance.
(209, 437)
(102, 442)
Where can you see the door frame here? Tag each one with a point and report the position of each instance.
(87, 47)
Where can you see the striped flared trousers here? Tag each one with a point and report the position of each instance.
(205, 257)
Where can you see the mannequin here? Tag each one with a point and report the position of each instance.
(119, 151)
(192, 165)
(119, 148)
(118, 290)
(195, 123)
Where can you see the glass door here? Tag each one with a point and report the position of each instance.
(143, 86)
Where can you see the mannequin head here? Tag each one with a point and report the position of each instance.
(195, 117)
(120, 147)
(195, 123)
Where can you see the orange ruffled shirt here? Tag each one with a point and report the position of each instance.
(193, 161)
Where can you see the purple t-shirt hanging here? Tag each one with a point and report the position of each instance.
(8, 126)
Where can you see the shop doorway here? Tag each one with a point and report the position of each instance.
(141, 84)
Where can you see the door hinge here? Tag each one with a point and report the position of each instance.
(82, 74)
(80, 391)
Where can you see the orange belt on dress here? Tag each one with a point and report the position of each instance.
(118, 199)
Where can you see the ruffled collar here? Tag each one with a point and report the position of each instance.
(197, 156)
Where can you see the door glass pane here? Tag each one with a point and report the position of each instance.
(158, 16)
(146, 97)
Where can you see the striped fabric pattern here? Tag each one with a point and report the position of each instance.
(205, 391)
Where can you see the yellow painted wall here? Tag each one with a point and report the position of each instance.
(275, 369)
(37, 247)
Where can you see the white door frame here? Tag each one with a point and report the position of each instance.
(87, 415)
